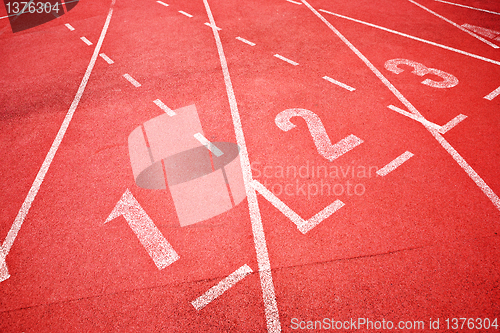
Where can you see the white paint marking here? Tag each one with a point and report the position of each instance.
(455, 25)
(245, 41)
(208, 25)
(69, 26)
(23, 212)
(343, 85)
(474, 8)
(221, 287)
(492, 34)
(86, 41)
(295, 2)
(456, 156)
(303, 225)
(184, 13)
(162, 3)
(286, 59)
(452, 123)
(106, 58)
(210, 146)
(266, 278)
(421, 120)
(415, 38)
(158, 248)
(131, 80)
(165, 108)
(394, 164)
(493, 94)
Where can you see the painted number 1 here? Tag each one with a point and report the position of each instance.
(421, 70)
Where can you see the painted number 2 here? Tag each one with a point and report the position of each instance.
(421, 70)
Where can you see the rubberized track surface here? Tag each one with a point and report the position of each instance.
(411, 232)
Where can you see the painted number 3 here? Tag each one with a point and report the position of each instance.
(421, 70)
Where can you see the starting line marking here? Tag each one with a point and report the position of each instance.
(221, 287)
(456, 4)
(165, 108)
(441, 129)
(107, 59)
(303, 225)
(394, 164)
(162, 3)
(493, 94)
(245, 41)
(452, 123)
(184, 13)
(131, 80)
(86, 41)
(69, 26)
(210, 146)
(286, 59)
(208, 25)
(343, 85)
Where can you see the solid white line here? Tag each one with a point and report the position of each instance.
(86, 41)
(493, 94)
(414, 38)
(343, 85)
(456, 156)
(295, 2)
(165, 108)
(23, 212)
(456, 4)
(421, 120)
(106, 58)
(162, 3)
(210, 146)
(304, 226)
(69, 26)
(265, 274)
(394, 164)
(455, 25)
(221, 287)
(452, 123)
(184, 13)
(245, 41)
(132, 80)
(208, 25)
(286, 59)
(482, 31)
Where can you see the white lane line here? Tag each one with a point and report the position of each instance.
(245, 41)
(493, 34)
(23, 212)
(210, 146)
(86, 41)
(414, 38)
(221, 287)
(184, 13)
(493, 94)
(304, 226)
(456, 156)
(69, 26)
(456, 4)
(421, 120)
(286, 59)
(394, 164)
(131, 80)
(452, 123)
(162, 3)
(343, 85)
(455, 25)
(295, 2)
(106, 58)
(165, 108)
(208, 25)
(259, 237)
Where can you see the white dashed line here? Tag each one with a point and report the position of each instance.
(493, 94)
(452, 123)
(131, 80)
(221, 287)
(86, 41)
(286, 59)
(343, 85)
(165, 108)
(69, 27)
(394, 164)
(245, 41)
(456, 4)
(106, 58)
(295, 2)
(184, 13)
(208, 25)
(210, 146)
(162, 3)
